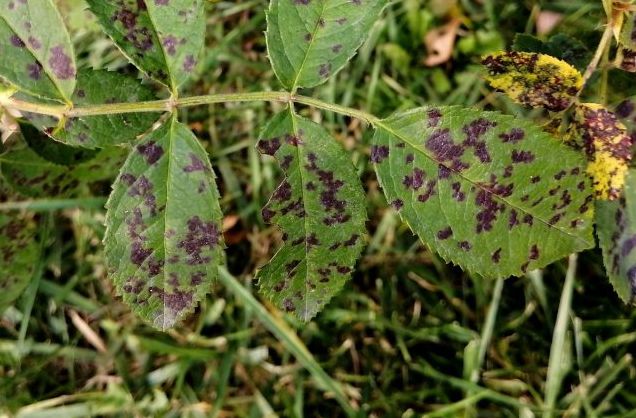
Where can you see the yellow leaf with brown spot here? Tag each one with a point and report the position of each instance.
(626, 57)
(535, 80)
(607, 146)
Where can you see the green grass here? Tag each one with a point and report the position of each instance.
(408, 336)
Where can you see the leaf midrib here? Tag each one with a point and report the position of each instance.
(173, 83)
(381, 124)
(311, 44)
(302, 194)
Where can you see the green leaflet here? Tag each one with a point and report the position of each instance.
(19, 251)
(616, 231)
(38, 57)
(310, 40)
(535, 80)
(32, 174)
(320, 207)
(163, 238)
(97, 87)
(54, 151)
(489, 192)
(161, 37)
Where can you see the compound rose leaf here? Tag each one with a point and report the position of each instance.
(37, 54)
(320, 207)
(162, 38)
(535, 80)
(310, 40)
(163, 226)
(489, 192)
(606, 143)
(616, 231)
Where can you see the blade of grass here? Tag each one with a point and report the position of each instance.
(556, 370)
(44, 205)
(31, 291)
(288, 338)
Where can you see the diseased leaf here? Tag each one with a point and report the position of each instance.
(489, 192)
(37, 54)
(310, 40)
(627, 42)
(28, 173)
(535, 80)
(31, 175)
(161, 37)
(163, 238)
(19, 250)
(616, 231)
(608, 147)
(626, 111)
(320, 207)
(54, 151)
(98, 87)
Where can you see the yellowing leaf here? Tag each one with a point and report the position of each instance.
(532, 79)
(607, 146)
(627, 40)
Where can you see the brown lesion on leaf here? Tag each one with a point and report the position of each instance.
(496, 256)
(269, 146)
(196, 164)
(474, 131)
(445, 233)
(379, 153)
(397, 204)
(199, 235)
(150, 151)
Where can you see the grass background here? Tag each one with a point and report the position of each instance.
(408, 336)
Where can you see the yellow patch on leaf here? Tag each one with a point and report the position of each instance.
(535, 80)
(607, 146)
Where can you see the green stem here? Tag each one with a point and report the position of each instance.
(600, 51)
(169, 105)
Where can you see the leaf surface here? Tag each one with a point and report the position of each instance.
(163, 239)
(37, 54)
(19, 250)
(607, 145)
(320, 207)
(616, 231)
(161, 37)
(535, 80)
(488, 192)
(310, 40)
